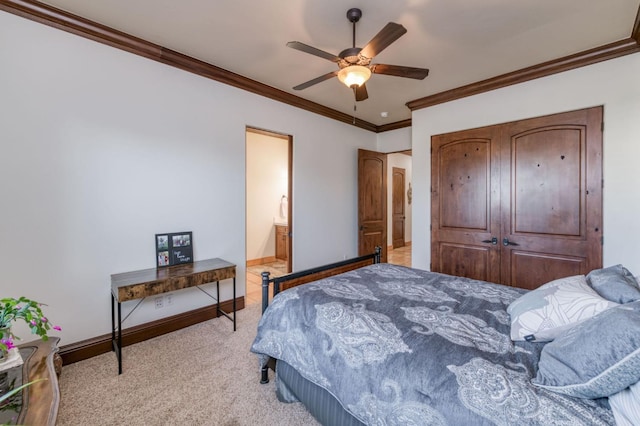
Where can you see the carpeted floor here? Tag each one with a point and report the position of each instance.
(200, 375)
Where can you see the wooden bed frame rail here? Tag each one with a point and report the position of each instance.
(297, 278)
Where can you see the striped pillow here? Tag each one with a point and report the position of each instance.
(626, 406)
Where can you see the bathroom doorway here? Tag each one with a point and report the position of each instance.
(269, 243)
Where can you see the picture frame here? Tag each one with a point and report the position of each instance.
(173, 248)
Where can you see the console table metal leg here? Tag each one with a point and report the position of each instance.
(234, 303)
(218, 310)
(113, 322)
(119, 338)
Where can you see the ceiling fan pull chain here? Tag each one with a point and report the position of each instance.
(355, 104)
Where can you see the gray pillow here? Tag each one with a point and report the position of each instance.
(597, 358)
(615, 283)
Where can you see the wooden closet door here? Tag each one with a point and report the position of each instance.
(552, 180)
(465, 204)
(533, 186)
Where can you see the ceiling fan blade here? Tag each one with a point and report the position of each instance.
(361, 93)
(390, 33)
(400, 71)
(316, 80)
(312, 50)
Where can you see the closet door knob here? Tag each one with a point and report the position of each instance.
(506, 242)
(493, 240)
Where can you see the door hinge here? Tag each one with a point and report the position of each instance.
(601, 241)
(602, 126)
(602, 183)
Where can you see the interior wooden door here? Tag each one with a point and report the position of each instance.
(519, 203)
(372, 202)
(465, 204)
(397, 207)
(552, 175)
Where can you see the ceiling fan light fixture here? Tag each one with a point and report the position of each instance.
(354, 74)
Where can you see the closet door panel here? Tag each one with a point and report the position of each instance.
(548, 184)
(551, 227)
(530, 269)
(465, 260)
(465, 215)
(465, 173)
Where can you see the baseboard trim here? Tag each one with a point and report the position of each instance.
(89, 348)
(261, 261)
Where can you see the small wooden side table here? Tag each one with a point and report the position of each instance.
(38, 403)
(150, 282)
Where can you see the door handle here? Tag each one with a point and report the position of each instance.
(506, 242)
(493, 240)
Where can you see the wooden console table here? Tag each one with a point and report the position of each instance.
(38, 403)
(150, 282)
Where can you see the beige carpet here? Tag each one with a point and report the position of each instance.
(200, 375)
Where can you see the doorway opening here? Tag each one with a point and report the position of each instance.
(399, 208)
(384, 204)
(269, 243)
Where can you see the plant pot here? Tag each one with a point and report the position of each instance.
(5, 334)
(11, 358)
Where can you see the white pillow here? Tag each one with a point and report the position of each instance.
(546, 312)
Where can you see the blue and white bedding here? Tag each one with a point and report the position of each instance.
(397, 345)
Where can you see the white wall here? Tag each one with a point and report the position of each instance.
(394, 140)
(401, 161)
(101, 149)
(390, 142)
(613, 84)
(267, 182)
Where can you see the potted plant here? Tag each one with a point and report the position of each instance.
(24, 309)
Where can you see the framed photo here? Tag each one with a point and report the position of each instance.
(174, 248)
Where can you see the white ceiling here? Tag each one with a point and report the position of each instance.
(460, 41)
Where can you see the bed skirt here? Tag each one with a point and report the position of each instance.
(292, 387)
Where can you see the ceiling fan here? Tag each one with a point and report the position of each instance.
(354, 63)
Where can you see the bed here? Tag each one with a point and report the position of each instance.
(386, 344)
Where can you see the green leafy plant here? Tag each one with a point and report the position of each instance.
(16, 390)
(30, 312)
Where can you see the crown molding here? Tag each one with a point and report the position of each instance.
(587, 57)
(394, 126)
(57, 18)
(80, 26)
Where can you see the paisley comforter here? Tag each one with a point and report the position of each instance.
(397, 345)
